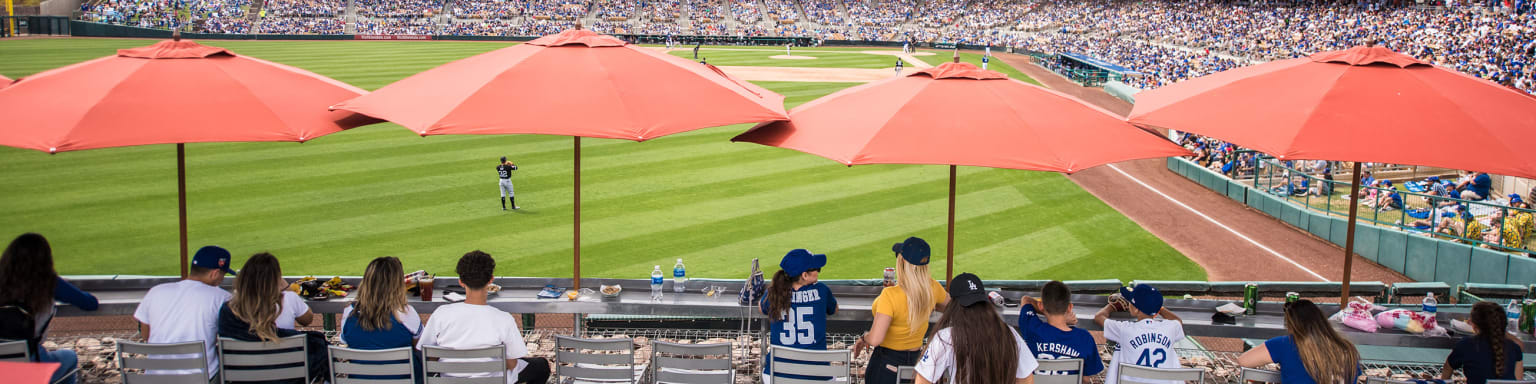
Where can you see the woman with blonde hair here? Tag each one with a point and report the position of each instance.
(1311, 352)
(251, 313)
(381, 318)
(901, 314)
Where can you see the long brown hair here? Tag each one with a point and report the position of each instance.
(1327, 355)
(381, 294)
(984, 346)
(779, 293)
(26, 273)
(258, 295)
(915, 281)
(1490, 322)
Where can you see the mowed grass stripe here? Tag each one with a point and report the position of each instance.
(330, 205)
(823, 59)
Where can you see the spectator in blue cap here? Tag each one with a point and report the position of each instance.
(188, 310)
(1146, 342)
(799, 306)
(901, 314)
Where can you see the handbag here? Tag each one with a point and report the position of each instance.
(752, 289)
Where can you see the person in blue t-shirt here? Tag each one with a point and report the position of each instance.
(1333, 358)
(1055, 338)
(1478, 188)
(798, 305)
(1490, 355)
(381, 318)
(28, 287)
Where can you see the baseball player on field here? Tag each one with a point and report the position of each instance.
(505, 172)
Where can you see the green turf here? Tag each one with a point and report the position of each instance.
(328, 206)
(762, 56)
(941, 57)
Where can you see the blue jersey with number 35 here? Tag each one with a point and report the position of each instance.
(804, 325)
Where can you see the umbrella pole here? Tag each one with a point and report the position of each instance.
(576, 236)
(181, 200)
(1349, 239)
(949, 259)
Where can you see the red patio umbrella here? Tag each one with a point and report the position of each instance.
(5, 81)
(174, 91)
(28, 373)
(576, 83)
(1364, 104)
(957, 114)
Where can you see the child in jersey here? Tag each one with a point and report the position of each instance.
(799, 306)
(1146, 342)
(1055, 338)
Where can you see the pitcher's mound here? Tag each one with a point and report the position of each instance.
(792, 57)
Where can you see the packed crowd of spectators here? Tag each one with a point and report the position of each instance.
(305, 8)
(396, 26)
(556, 9)
(782, 10)
(746, 11)
(397, 9)
(484, 9)
(614, 9)
(823, 11)
(662, 10)
(215, 16)
(146, 14)
(704, 11)
(884, 13)
(302, 25)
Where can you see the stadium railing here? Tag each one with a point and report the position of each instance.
(1419, 256)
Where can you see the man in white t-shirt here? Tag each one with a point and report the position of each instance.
(473, 324)
(1146, 342)
(188, 310)
(938, 361)
(294, 311)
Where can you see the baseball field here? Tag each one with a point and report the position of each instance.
(327, 206)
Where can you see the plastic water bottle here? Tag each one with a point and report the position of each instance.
(656, 284)
(679, 277)
(1513, 313)
(1430, 304)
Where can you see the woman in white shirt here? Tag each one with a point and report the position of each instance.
(972, 345)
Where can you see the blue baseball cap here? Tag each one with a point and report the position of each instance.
(1434, 178)
(212, 257)
(1515, 198)
(1144, 297)
(914, 250)
(798, 261)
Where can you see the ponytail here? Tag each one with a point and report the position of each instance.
(779, 293)
(1491, 322)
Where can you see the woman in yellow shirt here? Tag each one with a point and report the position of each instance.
(901, 314)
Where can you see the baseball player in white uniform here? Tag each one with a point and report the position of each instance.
(504, 171)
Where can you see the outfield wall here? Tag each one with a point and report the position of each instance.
(1421, 258)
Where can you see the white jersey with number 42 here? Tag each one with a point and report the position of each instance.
(1148, 343)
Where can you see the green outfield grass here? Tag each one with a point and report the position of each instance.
(328, 206)
(762, 56)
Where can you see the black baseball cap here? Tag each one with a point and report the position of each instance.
(914, 250)
(966, 290)
(503, 159)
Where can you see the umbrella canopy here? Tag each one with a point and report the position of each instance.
(28, 373)
(171, 92)
(575, 83)
(958, 114)
(5, 81)
(174, 91)
(1364, 104)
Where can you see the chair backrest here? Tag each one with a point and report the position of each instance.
(489, 362)
(15, 351)
(906, 374)
(1148, 373)
(594, 359)
(361, 366)
(1383, 380)
(838, 369)
(1260, 375)
(1055, 371)
(286, 359)
(190, 357)
(692, 363)
(1511, 381)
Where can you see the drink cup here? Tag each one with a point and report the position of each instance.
(426, 286)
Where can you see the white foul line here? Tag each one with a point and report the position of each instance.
(1219, 224)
